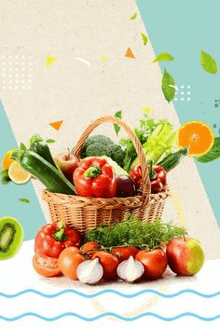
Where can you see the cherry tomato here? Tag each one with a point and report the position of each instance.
(69, 260)
(46, 266)
(89, 246)
(53, 238)
(124, 252)
(154, 262)
(109, 263)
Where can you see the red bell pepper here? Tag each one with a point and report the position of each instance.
(95, 178)
(53, 238)
(157, 175)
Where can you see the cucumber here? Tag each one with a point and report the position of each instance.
(172, 160)
(42, 149)
(40, 168)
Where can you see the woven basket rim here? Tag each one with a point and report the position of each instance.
(163, 194)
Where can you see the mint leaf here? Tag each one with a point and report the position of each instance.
(133, 16)
(213, 154)
(208, 63)
(50, 141)
(144, 38)
(117, 127)
(23, 147)
(163, 57)
(24, 200)
(168, 86)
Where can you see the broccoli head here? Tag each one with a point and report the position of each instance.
(97, 149)
(100, 145)
(117, 154)
(102, 139)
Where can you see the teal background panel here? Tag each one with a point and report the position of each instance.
(183, 29)
(29, 215)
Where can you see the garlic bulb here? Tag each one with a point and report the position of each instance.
(90, 271)
(130, 270)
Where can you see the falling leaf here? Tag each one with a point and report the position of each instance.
(208, 63)
(104, 58)
(57, 124)
(144, 38)
(50, 141)
(168, 86)
(23, 147)
(133, 16)
(50, 60)
(129, 53)
(24, 200)
(117, 127)
(163, 57)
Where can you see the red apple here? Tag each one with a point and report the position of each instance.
(185, 256)
(154, 262)
(67, 163)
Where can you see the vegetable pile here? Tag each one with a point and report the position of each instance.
(130, 251)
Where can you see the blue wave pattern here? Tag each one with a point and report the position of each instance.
(123, 318)
(97, 294)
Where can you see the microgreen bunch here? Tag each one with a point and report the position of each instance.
(134, 232)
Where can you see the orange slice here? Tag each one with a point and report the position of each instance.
(197, 136)
(56, 125)
(129, 53)
(7, 161)
(17, 174)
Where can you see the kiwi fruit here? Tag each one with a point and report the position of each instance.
(11, 237)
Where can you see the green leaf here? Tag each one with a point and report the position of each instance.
(117, 127)
(4, 173)
(163, 57)
(213, 154)
(24, 200)
(50, 141)
(144, 38)
(35, 138)
(168, 86)
(208, 63)
(5, 179)
(133, 16)
(23, 147)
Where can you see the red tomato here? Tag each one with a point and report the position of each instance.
(51, 240)
(154, 261)
(46, 266)
(89, 246)
(108, 262)
(123, 253)
(69, 260)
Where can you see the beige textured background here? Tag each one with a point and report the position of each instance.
(33, 95)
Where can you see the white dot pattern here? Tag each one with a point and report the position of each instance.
(15, 72)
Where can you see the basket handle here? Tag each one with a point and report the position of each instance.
(134, 139)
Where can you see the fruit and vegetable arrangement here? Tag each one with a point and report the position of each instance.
(131, 251)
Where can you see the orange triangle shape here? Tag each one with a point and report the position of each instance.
(129, 53)
(56, 124)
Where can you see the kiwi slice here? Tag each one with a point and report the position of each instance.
(11, 237)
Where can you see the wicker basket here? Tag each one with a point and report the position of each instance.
(84, 213)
